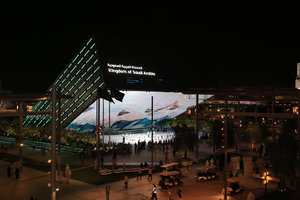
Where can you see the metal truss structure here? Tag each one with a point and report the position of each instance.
(79, 82)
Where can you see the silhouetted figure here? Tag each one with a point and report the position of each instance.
(8, 171)
(139, 176)
(135, 147)
(260, 150)
(228, 157)
(179, 193)
(161, 163)
(141, 165)
(17, 172)
(254, 160)
(68, 173)
(107, 191)
(125, 181)
(102, 160)
(241, 165)
(150, 174)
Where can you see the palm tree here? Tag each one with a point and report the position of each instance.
(218, 131)
(283, 153)
(185, 139)
(283, 156)
(257, 133)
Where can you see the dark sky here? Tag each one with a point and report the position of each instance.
(217, 45)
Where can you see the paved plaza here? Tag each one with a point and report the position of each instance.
(34, 183)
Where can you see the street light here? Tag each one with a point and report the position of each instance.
(266, 179)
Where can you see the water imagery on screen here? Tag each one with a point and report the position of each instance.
(134, 112)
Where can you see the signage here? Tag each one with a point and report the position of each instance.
(128, 69)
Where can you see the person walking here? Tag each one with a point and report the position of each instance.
(169, 193)
(8, 171)
(154, 192)
(260, 150)
(125, 181)
(17, 172)
(207, 163)
(254, 160)
(150, 174)
(250, 196)
(146, 164)
(179, 193)
(107, 191)
(212, 161)
(241, 165)
(68, 172)
(102, 160)
(139, 176)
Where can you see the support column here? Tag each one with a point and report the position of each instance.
(97, 132)
(197, 126)
(59, 136)
(103, 144)
(53, 146)
(21, 131)
(239, 119)
(298, 119)
(225, 148)
(109, 123)
(152, 127)
(273, 132)
(255, 110)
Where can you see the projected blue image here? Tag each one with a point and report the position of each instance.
(134, 112)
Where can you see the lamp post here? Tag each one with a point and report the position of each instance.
(265, 178)
(21, 144)
(103, 145)
(97, 133)
(53, 146)
(197, 126)
(152, 129)
(225, 148)
(108, 123)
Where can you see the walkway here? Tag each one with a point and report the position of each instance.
(34, 182)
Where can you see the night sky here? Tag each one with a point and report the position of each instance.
(217, 45)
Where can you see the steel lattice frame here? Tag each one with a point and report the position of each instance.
(80, 79)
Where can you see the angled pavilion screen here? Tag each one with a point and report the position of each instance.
(80, 78)
(85, 74)
(134, 112)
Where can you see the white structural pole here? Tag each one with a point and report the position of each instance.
(109, 123)
(152, 129)
(97, 132)
(103, 145)
(53, 145)
(225, 148)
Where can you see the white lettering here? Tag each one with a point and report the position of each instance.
(137, 72)
(128, 69)
(117, 71)
(149, 73)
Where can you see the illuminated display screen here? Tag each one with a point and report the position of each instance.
(134, 112)
(128, 69)
(133, 77)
